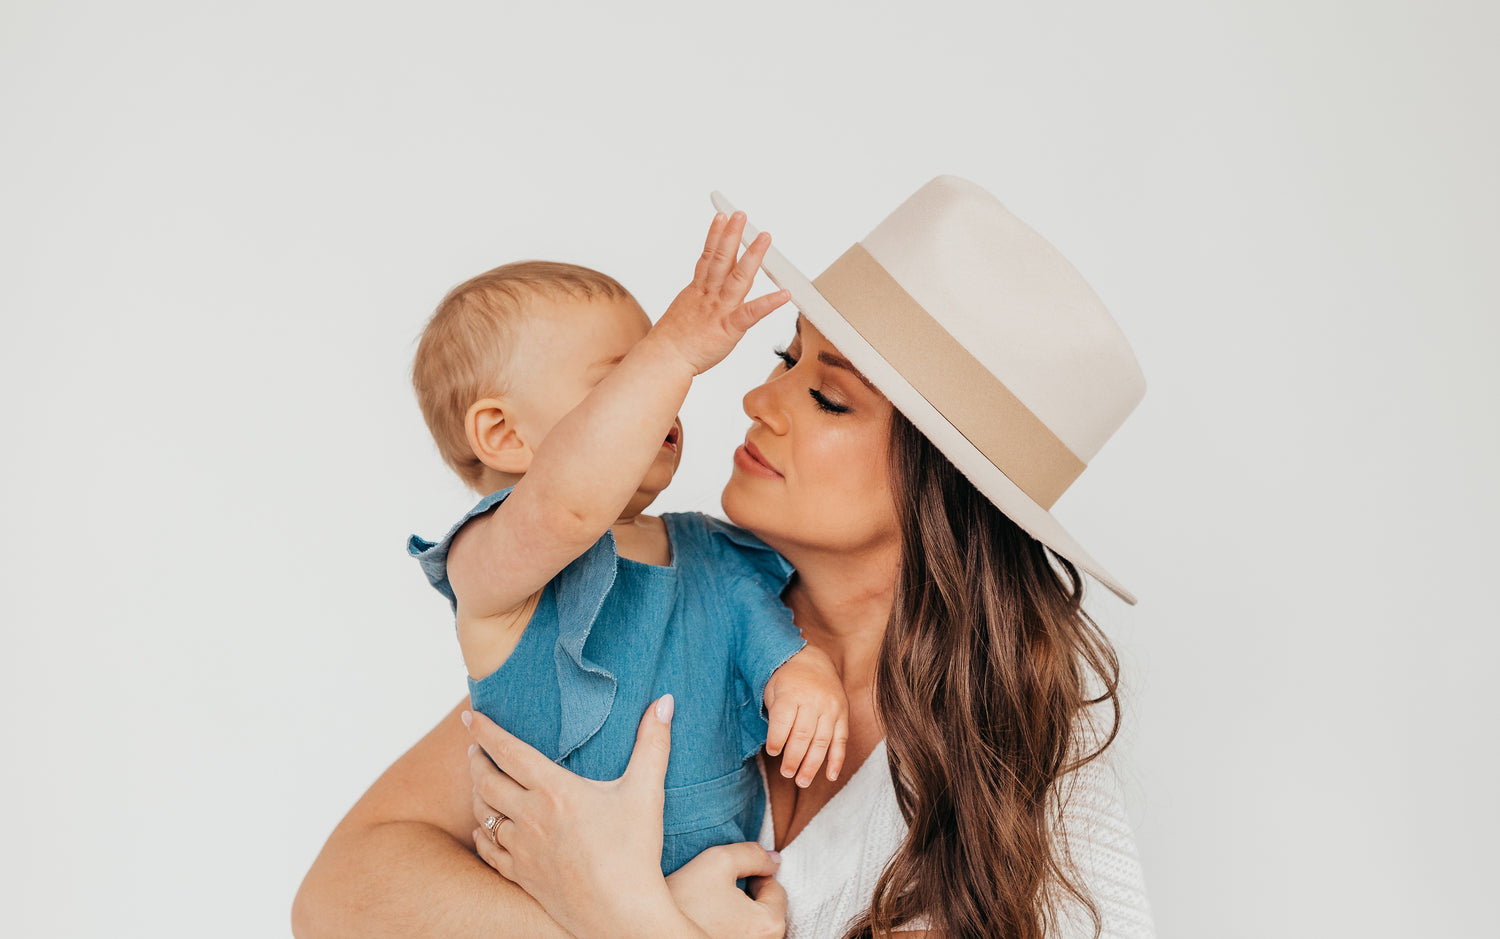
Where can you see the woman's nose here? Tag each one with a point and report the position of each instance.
(763, 403)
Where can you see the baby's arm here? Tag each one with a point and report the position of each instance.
(809, 715)
(591, 463)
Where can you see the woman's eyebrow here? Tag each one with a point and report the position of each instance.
(838, 361)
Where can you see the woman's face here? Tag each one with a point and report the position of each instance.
(812, 472)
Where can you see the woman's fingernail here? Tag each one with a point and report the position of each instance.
(664, 708)
(774, 855)
(466, 717)
(472, 748)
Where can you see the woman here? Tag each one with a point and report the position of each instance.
(948, 379)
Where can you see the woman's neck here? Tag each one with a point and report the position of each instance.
(841, 602)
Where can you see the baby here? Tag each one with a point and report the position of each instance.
(546, 385)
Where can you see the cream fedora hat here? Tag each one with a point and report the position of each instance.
(987, 339)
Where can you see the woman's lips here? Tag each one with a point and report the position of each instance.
(672, 437)
(749, 459)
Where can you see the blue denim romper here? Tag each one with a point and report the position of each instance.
(611, 635)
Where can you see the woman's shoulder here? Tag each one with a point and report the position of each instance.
(1097, 840)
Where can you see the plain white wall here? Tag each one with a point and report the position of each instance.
(221, 228)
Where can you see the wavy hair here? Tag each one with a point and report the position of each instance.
(986, 679)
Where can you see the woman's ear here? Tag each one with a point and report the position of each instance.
(494, 437)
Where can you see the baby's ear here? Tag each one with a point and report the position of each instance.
(495, 439)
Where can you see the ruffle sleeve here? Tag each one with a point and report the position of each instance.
(587, 689)
(432, 556)
(765, 636)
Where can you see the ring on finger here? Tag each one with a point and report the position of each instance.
(492, 825)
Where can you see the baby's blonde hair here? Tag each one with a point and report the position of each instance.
(465, 348)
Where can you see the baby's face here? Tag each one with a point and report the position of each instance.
(565, 347)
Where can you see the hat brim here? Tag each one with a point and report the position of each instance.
(996, 486)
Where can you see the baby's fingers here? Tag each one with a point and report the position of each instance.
(720, 251)
(756, 310)
(802, 736)
(822, 738)
(749, 263)
(837, 748)
(782, 719)
(712, 246)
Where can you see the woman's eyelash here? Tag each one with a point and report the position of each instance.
(823, 401)
(824, 404)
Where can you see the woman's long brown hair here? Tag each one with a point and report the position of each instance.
(987, 673)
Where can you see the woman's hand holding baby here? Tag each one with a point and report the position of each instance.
(589, 852)
(710, 315)
(809, 716)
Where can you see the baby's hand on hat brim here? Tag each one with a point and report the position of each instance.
(711, 315)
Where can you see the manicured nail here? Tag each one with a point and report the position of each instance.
(774, 855)
(472, 748)
(466, 717)
(664, 708)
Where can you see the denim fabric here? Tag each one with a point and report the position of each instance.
(611, 635)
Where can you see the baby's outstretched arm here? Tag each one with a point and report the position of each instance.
(809, 715)
(590, 464)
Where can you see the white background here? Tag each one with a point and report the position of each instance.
(222, 227)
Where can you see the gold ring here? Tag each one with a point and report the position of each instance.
(492, 825)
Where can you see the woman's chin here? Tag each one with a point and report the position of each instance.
(731, 501)
(740, 506)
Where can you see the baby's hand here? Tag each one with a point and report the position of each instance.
(710, 315)
(809, 716)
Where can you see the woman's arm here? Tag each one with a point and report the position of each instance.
(402, 863)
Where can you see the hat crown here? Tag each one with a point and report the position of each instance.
(987, 340)
(1016, 305)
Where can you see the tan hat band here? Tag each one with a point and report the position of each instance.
(962, 390)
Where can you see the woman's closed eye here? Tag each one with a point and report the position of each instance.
(824, 402)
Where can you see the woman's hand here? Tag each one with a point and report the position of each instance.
(589, 852)
(705, 891)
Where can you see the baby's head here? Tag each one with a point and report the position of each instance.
(509, 352)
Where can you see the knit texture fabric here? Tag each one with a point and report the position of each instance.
(829, 870)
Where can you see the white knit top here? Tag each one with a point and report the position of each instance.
(829, 870)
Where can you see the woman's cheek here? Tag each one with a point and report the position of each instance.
(845, 480)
